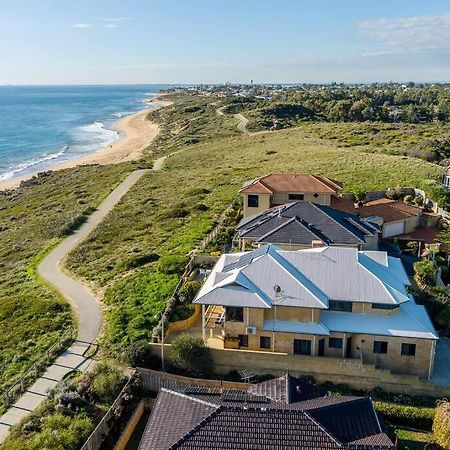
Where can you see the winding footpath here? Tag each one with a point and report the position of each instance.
(242, 124)
(83, 302)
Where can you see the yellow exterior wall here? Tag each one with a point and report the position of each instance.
(366, 308)
(280, 198)
(393, 360)
(291, 314)
(360, 344)
(264, 203)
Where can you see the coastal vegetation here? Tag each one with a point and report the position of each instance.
(65, 420)
(398, 119)
(32, 220)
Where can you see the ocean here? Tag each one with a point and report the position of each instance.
(44, 125)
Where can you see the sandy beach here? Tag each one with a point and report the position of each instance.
(136, 133)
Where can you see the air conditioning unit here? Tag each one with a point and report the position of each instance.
(250, 330)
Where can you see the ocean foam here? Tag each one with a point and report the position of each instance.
(13, 171)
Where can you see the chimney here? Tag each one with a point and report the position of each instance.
(317, 244)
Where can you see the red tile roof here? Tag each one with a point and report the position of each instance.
(292, 182)
(389, 210)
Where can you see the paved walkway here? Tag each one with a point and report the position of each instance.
(242, 125)
(81, 300)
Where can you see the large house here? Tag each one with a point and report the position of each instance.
(331, 301)
(280, 188)
(304, 225)
(279, 414)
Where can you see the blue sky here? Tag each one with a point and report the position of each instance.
(195, 41)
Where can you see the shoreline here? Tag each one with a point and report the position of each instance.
(136, 134)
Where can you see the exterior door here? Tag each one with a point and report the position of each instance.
(302, 347)
(348, 348)
(321, 347)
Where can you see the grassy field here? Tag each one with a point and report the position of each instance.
(168, 212)
(31, 220)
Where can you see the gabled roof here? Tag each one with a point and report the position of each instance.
(279, 414)
(256, 273)
(389, 210)
(307, 278)
(300, 223)
(291, 182)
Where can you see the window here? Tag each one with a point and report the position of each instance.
(296, 196)
(243, 340)
(383, 306)
(234, 314)
(264, 342)
(253, 201)
(409, 349)
(335, 342)
(339, 305)
(302, 347)
(380, 346)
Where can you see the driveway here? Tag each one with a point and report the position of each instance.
(441, 373)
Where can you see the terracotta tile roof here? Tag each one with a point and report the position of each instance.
(390, 210)
(292, 182)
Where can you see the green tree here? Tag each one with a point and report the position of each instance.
(189, 352)
(425, 273)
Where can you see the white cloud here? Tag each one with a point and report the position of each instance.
(416, 34)
(110, 25)
(81, 25)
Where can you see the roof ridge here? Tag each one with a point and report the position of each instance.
(197, 427)
(278, 227)
(301, 278)
(318, 424)
(313, 229)
(320, 179)
(358, 225)
(383, 284)
(334, 220)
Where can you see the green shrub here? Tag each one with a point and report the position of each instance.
(425, 272)
(441, 424)
(189, 353)
(55, 432)
(104, 382)
(172, 264)
(138, 354)
(189, 290)
(412, 248)
(410, 416)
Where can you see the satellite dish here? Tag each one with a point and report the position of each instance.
(277, 289)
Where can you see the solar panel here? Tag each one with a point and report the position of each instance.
(246, 259)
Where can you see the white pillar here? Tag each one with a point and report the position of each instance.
(433, 352)
(203, 324)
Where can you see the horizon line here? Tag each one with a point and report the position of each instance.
(184, 84)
